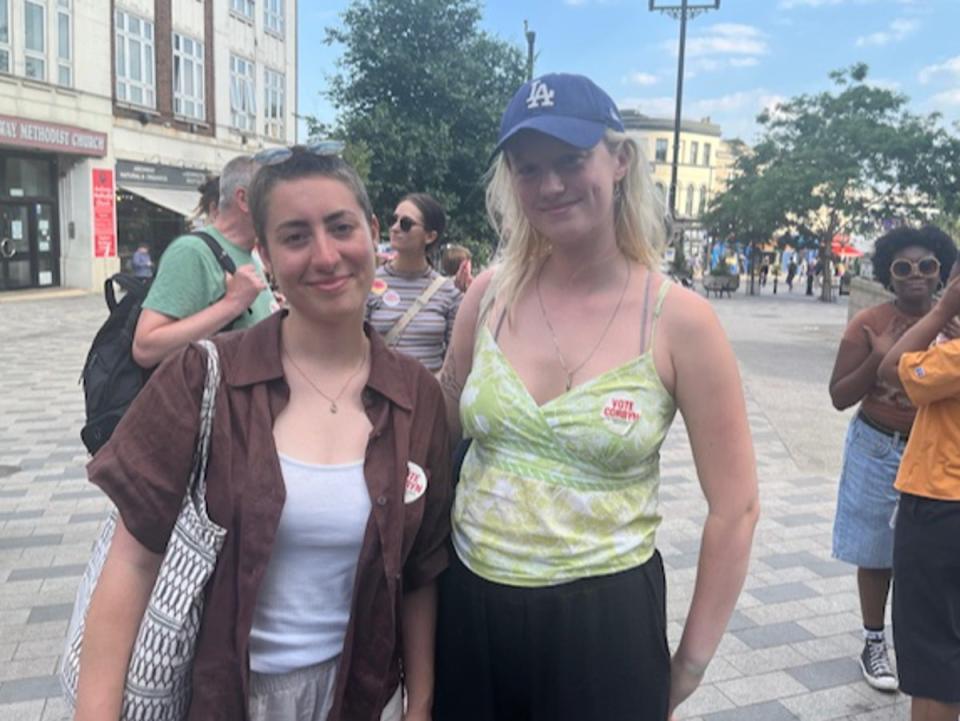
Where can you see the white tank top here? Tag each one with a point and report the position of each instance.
(304, 602)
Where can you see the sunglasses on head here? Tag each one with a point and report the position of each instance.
(405, 223)
(275, 156)
(927, 267)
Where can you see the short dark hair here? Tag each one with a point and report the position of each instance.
(929, 237)
(302, 164)
(209, 194)
(434, 217)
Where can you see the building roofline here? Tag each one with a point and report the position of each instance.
(635, 120)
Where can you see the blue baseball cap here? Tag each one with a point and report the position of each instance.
(571, 108)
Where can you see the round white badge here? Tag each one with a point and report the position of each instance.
(391, 299)
(416, 484)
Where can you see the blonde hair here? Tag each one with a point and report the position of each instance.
(639, 221)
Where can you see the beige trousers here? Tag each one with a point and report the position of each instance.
(304, 695)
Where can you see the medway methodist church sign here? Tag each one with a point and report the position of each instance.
(41, 135)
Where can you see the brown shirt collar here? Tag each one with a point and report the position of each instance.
(259, 361)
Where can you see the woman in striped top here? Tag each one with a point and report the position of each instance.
(417, 223)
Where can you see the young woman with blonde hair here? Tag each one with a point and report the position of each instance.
(568, 361)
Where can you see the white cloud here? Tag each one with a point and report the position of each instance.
(743, 62)
(642, 79)
(950, 67)
(790, 4)
(948, 98)
(728, 39)
(896, 31)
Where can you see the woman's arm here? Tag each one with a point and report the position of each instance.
(113, 620)
(855, 369)
(459, 358)
(419, 631)
(709, 394)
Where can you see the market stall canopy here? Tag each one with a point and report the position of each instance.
(841, 246)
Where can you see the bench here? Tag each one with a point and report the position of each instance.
(720, 284)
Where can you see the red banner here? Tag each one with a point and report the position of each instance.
(104, 216)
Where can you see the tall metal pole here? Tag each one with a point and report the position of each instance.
(531, 39)
(677, 116)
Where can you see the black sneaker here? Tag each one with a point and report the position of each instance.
(875, 664)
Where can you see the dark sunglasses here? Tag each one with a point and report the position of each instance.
(902, 268)
(275, 156)
(405, 223)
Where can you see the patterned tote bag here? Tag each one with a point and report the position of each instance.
(158, 678)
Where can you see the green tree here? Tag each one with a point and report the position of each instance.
(845, 161)
(419, 93)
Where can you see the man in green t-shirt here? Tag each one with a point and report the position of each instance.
(192, 297)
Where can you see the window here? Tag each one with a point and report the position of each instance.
(243, 8)
(694, 151)
(34, 40)
(135, 80)
(661, 155)
(273, 16)
(4, 36)
(64, 44)
(188, 77)
(243, 106)
(274, 106)
(703, 196)
(706, 154)
(689, 209)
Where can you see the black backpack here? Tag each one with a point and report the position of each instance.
(111, 378)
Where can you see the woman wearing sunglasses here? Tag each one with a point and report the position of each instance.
(913, 264)
(328, 469)
(411, 305)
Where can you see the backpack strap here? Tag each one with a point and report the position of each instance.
(225, 261)
(127, 284)
(401, 325)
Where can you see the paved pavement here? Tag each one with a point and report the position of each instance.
(789, 652)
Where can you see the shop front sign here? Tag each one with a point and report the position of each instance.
(104, 215)
(54, 137)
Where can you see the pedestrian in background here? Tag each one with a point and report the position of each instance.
(926, 554)
(328, 468)
(791, 273)
(456, 262)
(192, 297)
(912, 263)
(569, 360)
(412, 305)
(141, 263)
(208, 205)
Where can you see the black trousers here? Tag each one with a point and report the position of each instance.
(590, 649)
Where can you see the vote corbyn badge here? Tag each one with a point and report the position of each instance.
(416, 484)
(391, 299)
(620, 413)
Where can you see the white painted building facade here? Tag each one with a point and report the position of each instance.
(131, 99)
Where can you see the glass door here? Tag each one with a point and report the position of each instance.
(48, 251)
(16, 269)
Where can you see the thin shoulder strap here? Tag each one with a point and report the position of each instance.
(646, 306)
(665, 285)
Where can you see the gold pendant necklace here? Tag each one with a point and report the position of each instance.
(332, 401)
(553, 336)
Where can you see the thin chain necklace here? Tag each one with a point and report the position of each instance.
(553, 335)
(333, 401)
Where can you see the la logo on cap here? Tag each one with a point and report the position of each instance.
(541, 96)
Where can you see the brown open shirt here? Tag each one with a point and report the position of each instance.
(145, 466)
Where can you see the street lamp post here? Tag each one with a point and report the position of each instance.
(680, 12)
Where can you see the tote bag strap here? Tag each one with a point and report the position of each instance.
(394, 333)
(197, 488)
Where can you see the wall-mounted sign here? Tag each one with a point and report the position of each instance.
(159, 176)
(39, 134)
(104, 216)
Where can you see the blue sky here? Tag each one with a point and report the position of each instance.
(739, 59)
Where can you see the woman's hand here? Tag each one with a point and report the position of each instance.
(684, 679)
(464, 276)
(881, 343)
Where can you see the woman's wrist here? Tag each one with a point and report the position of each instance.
(689, 666)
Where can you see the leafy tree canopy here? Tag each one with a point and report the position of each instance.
(850, 160)
(419, 94)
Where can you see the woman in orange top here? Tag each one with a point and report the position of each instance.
(926, 555)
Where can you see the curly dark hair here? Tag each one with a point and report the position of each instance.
(929, 237)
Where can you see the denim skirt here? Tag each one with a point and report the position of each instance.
(867, 500)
